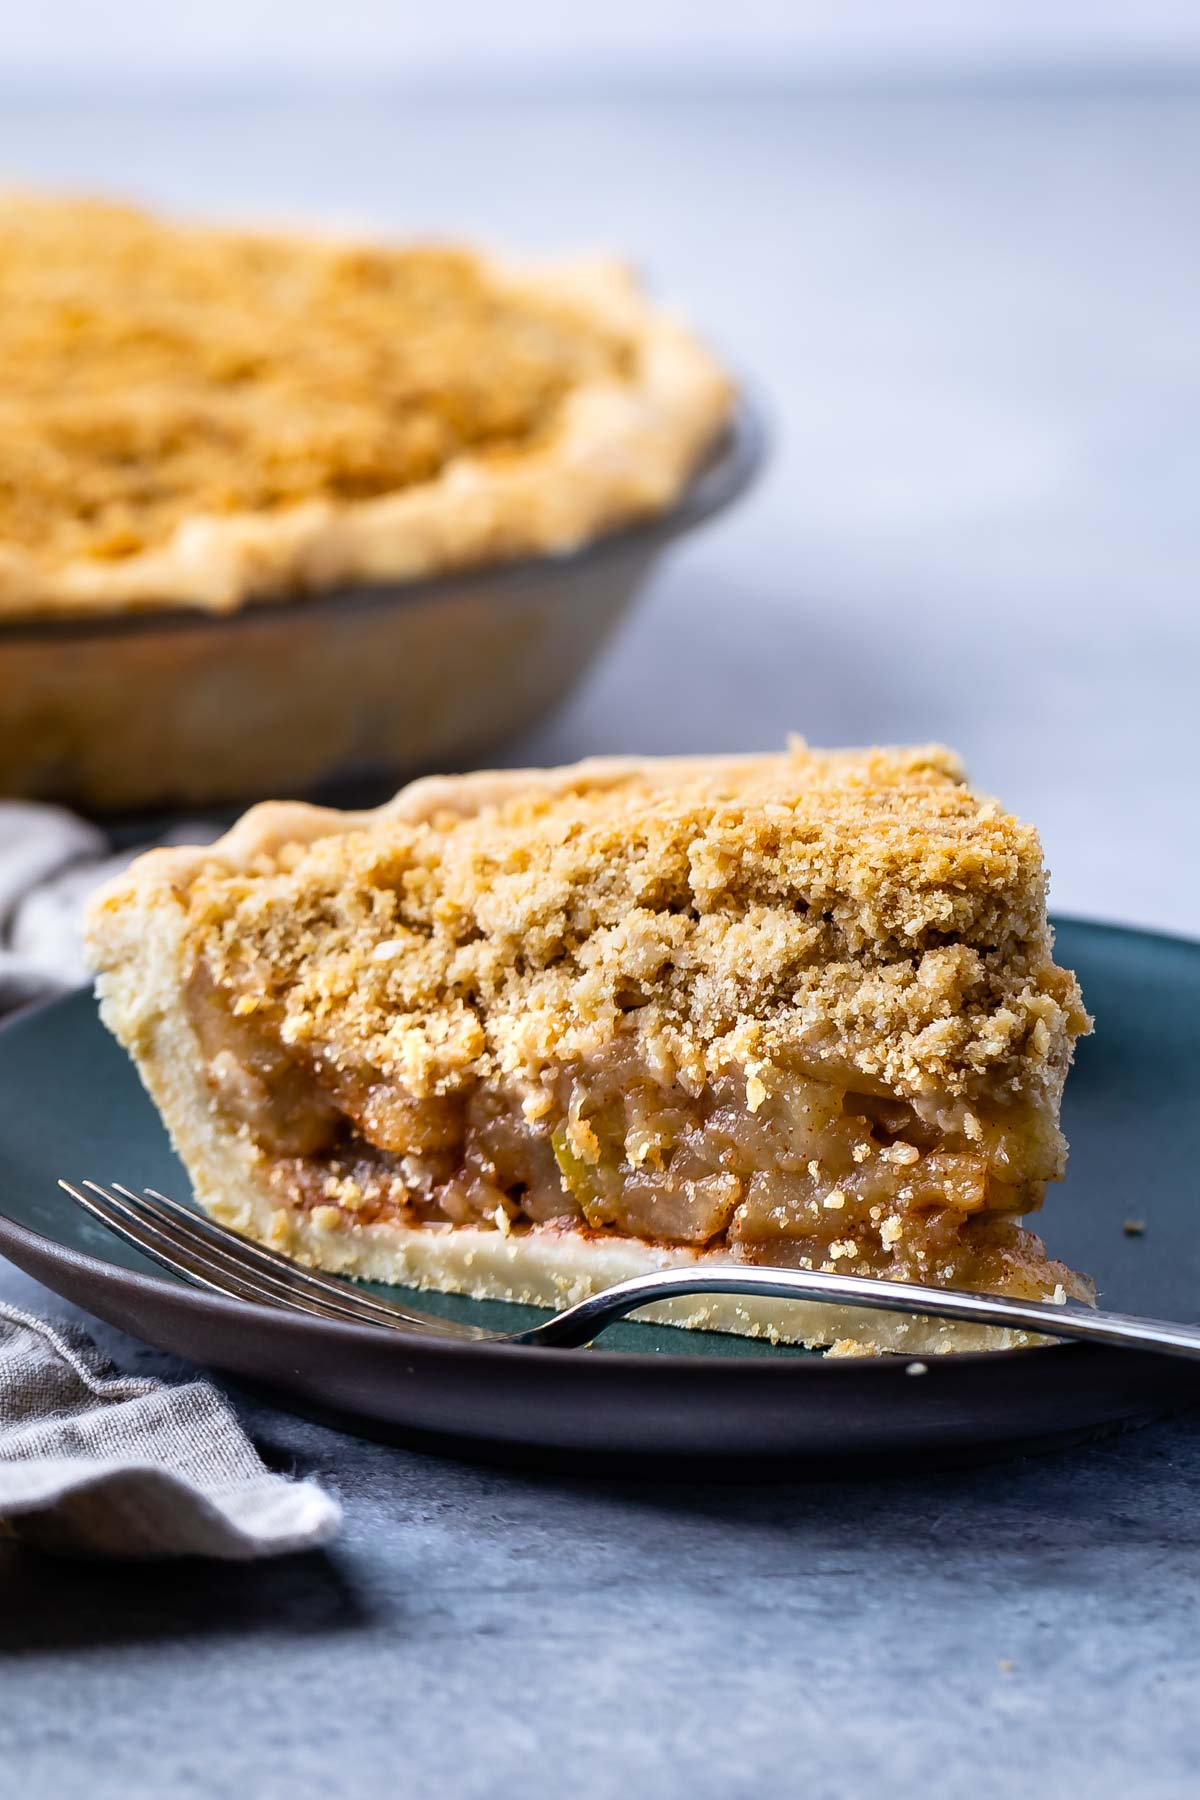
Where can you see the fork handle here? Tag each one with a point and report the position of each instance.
(581, 1323)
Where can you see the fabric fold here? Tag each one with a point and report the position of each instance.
(101, 1463)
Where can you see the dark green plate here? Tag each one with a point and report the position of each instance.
(72, 1106)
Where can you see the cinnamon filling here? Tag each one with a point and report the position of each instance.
(808, 1171)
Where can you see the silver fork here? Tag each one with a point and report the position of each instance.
(212, 1256)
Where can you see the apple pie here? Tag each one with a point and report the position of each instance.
(196, 416)
(521, 1035)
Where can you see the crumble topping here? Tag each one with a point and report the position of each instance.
(151, 373)
(861, 914)
(796, 1011)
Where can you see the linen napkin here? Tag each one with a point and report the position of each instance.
(119, 1465)
(92, 1460)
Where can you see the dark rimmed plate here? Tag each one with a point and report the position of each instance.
(72, 1106)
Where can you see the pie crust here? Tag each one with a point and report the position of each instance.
(520, 1035)
(203, 418)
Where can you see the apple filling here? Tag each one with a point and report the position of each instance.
(800, 1167)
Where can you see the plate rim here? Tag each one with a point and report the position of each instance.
(134, 1283)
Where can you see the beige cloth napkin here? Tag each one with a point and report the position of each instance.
(116, 1465)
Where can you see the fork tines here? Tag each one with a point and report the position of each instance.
(196, 1247)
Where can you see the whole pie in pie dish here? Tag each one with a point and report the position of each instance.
(521, 1035)
(202, 417)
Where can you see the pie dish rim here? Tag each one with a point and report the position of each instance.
(731, 465)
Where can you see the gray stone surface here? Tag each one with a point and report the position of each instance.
(1015, 1630)
(974, 321)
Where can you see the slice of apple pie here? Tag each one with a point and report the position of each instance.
(521, 1035)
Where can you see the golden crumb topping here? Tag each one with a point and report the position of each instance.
(151, 373)
(857, 912)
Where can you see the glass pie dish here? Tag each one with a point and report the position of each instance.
(348, 689)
